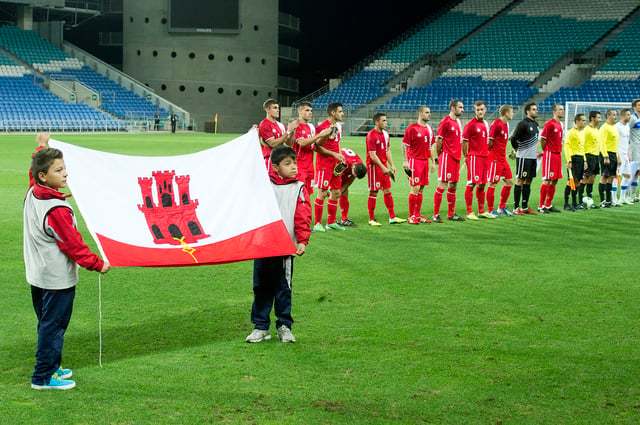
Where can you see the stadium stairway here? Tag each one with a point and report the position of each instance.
(448, 57)
(566, 75)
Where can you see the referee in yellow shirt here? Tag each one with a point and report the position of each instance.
(609, 138)
(591, 152)
(576, 163)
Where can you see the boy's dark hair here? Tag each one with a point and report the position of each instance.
(360, 170)
(42, 160)
(304, 103)
(282, 152)
(333, 107)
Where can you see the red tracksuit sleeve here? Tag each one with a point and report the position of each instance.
(302, 217)
(60, 221)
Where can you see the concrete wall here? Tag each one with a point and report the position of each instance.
(226, 74)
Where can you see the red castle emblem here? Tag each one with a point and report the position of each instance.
(170, 222)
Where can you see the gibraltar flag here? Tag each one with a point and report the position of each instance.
(210, 207)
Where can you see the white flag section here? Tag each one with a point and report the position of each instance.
(214, 206)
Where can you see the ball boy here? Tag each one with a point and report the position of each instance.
(272, 275)
(53, 249)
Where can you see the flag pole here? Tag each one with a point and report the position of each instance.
(215, 124)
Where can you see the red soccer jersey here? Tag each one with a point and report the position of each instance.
(418, 140)
(269, 130)
(451, 132)
(499, 134)
(332, 145)
(476, 133)
(305, 153)
(350, 158)
(378, 143)
(552, 131)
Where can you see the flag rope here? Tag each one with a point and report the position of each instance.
(100, 319)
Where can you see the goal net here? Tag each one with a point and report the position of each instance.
(573, 108)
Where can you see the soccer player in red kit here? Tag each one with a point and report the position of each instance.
(355, 169)
(416, 152)
(380, 168)
(305, 136)
(475, 148)
(329, 184)
(551, 143)
(273, 133)
(498, 165)
(448, 148)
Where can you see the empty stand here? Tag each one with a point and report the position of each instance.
(48, 59)
(26, 106)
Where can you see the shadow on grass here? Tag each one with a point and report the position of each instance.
(162, 333)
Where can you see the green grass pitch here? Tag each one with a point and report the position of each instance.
(525, 320)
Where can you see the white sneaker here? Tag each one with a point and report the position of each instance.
(285, 335)
(258, 335)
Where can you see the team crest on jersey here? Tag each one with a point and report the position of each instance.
(419, 135)
(477, 130)
(530, 128)
(452, 129)
(274, 130)
(555, 130)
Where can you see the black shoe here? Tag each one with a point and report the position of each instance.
(569, 208)
(552, 209)
(347, 223)
(579, 207)
(456, 217)
(543, 210)
(436, 219)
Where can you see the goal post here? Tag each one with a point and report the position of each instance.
(573, 108)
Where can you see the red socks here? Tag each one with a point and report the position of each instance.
(504, 196)
(318, 207)
(437, 200)
(344, 207)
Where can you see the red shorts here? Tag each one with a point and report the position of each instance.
(377, 179)
(326, 180)
(448, 168)
(476, 169)
(306, 178)
(498, 169)
(419, 172)
(551, 165)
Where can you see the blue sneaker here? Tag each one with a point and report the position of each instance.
(505, 211)
(55, 383)
(64, 373)
(496, 214)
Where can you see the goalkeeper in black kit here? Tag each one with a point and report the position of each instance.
(525, 141)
